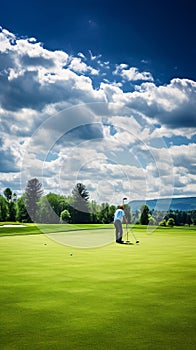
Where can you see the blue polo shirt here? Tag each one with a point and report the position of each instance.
(119, 215)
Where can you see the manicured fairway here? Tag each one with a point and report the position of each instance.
(116, 297)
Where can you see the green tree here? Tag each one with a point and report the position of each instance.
(171, 222)
(112, 210)
(144, 216)
(12, 211)
(4, 210)
(21, 211)
(11, 199)
(33, 193)
(8, 194)
(51, 206)
(101, 213)
(58, 203)
(104, 213)
(54, 201)
(80, 210)
(94, 209)
(162, 223)
(193, 217)
(65, 216)
(45, 213)
(188, 220)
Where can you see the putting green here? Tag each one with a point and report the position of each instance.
(115, 297)
(85, 238)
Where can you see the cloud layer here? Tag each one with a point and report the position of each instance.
(67, 119)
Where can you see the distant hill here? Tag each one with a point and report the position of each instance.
(184, 204)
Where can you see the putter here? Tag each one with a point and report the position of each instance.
(136, 240)
(127, 241)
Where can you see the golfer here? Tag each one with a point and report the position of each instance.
(119, 216)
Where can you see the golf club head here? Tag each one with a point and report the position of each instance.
(128, 242)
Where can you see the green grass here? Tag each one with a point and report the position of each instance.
(32, 229)
(117, 297)
(29, 229)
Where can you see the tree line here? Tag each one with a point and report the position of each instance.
(53, 208)
(146, 216)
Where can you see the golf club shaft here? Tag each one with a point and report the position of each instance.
(127, 232)
(134, 236)
(136, 240)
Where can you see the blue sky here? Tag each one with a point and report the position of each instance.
(99, 92)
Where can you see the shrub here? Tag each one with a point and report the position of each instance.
(162, 223)
(65, 217)
(170, 222)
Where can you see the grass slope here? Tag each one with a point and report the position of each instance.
(117, 297)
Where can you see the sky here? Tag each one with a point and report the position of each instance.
(99, 92)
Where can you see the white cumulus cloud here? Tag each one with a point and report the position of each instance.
(132, 74)
(64, 119)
